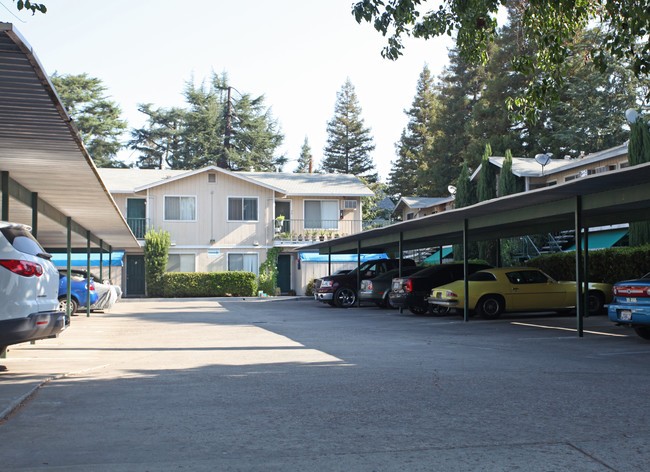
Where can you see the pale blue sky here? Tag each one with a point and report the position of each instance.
(298, 53)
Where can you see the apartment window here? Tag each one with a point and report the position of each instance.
(322, 214)
(242, 208)
(245, 262)
(350, 204)
(181, 263)
(180, 208)
(212, 178)
(410, 216)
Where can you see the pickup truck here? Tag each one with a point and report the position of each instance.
(341, 290)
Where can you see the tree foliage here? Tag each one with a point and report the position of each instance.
(508, 183)
(97, 118)
(214, 129)
(639, 153)
(349, 142)
(305, 159)
(415, 147)
(31, 6)
(156, 248)
(549, 30)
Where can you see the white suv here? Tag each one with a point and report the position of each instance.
(29, 288)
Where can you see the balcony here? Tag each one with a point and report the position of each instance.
(302, 232)
(138, 226)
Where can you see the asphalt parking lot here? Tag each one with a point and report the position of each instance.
(290, 384)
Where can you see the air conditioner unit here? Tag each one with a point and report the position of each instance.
(350, 204)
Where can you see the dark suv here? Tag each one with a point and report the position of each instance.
(411, 292)
(341, 290)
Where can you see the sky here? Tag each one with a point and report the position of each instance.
(297, 53)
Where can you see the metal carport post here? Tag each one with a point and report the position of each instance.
(465, 269)
(579, 268)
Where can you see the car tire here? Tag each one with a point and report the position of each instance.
(595, 303)
(490, 307)
(643, 332)
(345, 297)
(74, 306)
(419, 310)
(438, 310)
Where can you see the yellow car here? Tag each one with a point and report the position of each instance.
(493, 291)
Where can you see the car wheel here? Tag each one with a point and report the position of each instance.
(643, 331)
(74, 306)
(418, 310)
(345, 297)
(595, 303)
(490, 307)
(438, 310)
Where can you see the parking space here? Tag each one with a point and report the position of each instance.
(291, 384)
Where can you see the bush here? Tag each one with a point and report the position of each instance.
(209, 284)
(309, 291)
(605, 265)
(156, 246)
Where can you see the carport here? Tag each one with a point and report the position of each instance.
(616, 197)
(47, 179)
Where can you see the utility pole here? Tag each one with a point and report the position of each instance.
(223, 159)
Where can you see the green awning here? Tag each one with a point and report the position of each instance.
(435, 257)
(602, 239)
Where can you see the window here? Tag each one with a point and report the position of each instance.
(242, 208)
(212, 178)
(482, 277)
(350, 204)
(180, 208)
(409, 216)
(323, 214)
(180, 263)
(245, 262)
(526, 277)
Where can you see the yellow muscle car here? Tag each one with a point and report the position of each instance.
(494, 291)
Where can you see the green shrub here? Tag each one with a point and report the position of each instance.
(209, 284)
(605, 265)
(309, 291)
(156, 247)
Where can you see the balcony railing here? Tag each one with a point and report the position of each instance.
(296, 232)
(138, 226)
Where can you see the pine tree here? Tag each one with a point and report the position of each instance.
(415, 147)
(638, 152)
(159, 141)
(349, 143)
(305, 160)
(508, 183)
(97, 118)
(465, 196)
(487, 250)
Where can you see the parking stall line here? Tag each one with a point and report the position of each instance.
(568, 329)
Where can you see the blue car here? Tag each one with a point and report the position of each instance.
(78, 292)
(631, 305)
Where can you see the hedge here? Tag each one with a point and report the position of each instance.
(209, 284)
(605, 265)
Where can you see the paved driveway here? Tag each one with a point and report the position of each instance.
(289, 384)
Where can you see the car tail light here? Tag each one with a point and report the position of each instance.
(24, 268)
(369, 285)
(631, 291)
(450, 294)
(409, 285)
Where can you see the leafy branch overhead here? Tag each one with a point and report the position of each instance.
(550, 30)
(32, 6)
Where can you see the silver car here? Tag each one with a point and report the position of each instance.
(29, 287)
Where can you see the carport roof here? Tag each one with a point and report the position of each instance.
(615, 197)
(41, 150)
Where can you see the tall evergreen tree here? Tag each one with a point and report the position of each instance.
(160, 140)
(415, 147)
(465, 196)
(349, 142)
(638, 152)
(508, 183)
(97, 118)
(487, 250)
(305, 160)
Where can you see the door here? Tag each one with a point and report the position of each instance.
(284, 273)
(136, 216)
(135, 275)
(283, 209)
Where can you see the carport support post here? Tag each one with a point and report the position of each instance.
(440, 255)
(399, 267)
(585, 280)
(329, 260)
(101, 259)
(359, 273)
(88, 273)
(35, 214)
(69, 268)
(4, 178)
(580, 309)
(110, 261)
(465, 271)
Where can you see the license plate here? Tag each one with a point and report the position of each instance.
(396, 286)
(630, 300)
(626, 315)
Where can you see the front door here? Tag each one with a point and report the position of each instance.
(135, 275)
(284, 273)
